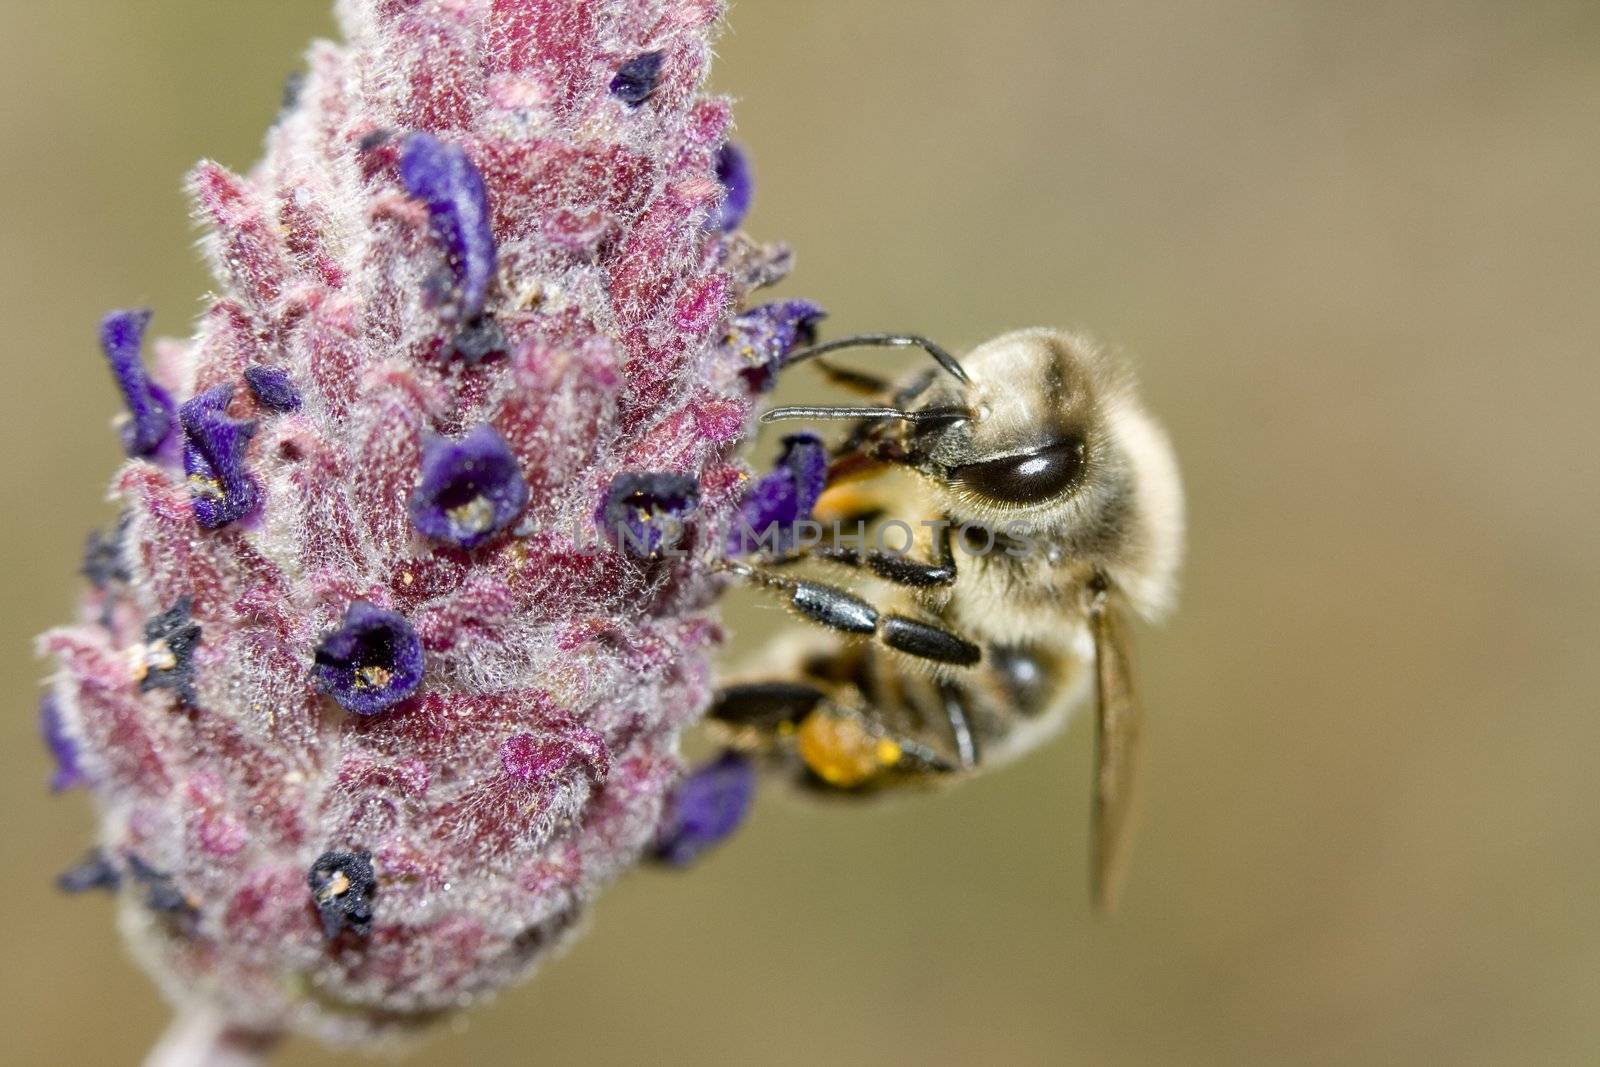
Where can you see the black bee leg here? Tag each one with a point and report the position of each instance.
(765, 706)
(899, 568)
(836, 609)
(965, 739)
(853, 380)
(893, 567)
(927, 641)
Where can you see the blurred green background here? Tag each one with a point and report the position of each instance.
(1353, 249)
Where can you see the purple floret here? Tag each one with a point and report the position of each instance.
(213, 458)
(470, 489)
(94, 871)
(67, 774)
(708, 806)
(450, 184)
(102, 557)
(342, 887)
(273, 387)
(643, 511)
(636, 79)
(164, 896)
(478, 340)
(766, 335)
(168, 659)
(121, 338)
(782, 498)
(738, 185)
(371, 662)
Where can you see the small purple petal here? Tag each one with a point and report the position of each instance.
(444, 178)
(470, 489)
(707, 807)
(764, 337)
(94, 871)
(641, 511)
(102, 557)
(213, 458)
(782, 498)
(371, 662)
(121, 338)
(167, 660)
(164, 896)
(637, 78)
(478, 340)
(65, 750)
(738, 185)
(273, 387)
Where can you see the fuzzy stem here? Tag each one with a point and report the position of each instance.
(199, 1037)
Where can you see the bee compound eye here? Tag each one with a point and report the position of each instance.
(1026, 478)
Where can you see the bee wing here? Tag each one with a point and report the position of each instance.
(1118, 721)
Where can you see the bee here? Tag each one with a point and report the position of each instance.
(1012, 510)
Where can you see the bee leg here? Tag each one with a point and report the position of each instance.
(968, 754)
(765, 706)
(853, 380)
(836, 609)
(838, 748)
(897, 567)
(892, 567)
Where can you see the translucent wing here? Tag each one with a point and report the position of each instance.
(1118, 721)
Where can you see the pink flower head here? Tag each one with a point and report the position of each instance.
(369, 712)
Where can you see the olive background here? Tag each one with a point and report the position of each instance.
(1352, 249)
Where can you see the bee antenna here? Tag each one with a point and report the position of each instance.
(869, 411)
(887, 340)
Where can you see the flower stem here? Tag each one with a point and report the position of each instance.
(199, 1037)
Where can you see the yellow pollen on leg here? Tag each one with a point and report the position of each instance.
(841, 751)
(840, 502)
